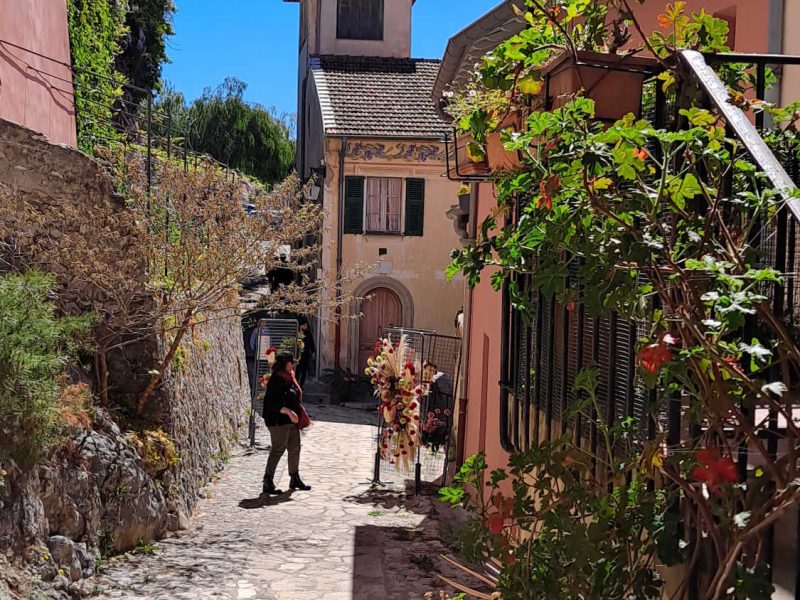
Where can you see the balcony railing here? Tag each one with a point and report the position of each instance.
(112, 114)
(542, 356)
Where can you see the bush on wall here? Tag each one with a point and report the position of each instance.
(35, 348)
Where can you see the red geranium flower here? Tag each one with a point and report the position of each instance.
(652, 357)
(714, 469)
(548, 188)
(504, 506)
(495, 524)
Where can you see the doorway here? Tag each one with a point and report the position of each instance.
(381, 309)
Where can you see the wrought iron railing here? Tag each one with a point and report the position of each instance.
(542, 355)
(121, 114)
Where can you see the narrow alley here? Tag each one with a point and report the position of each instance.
(340, 541)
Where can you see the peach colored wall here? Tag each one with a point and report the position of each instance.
(791, 45)
(483, 360)
(396, 32)
(752, 19)
(418, 263)
(35, 84)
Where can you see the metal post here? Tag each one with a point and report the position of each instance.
(254, 388)
(169, 136)
(149, 140)
(761, 91)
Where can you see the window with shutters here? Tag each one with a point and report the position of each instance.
(415, 206)
(353, 205)
(549, 349)
(360, 20)
(384, 204)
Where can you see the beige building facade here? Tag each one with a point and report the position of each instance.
(368, 131)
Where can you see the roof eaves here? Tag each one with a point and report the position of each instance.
(474, 41)
(323, 93)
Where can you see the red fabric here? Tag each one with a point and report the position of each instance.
(303, 420)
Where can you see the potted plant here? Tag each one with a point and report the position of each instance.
(613, 81)
(578, 49)
(497, 156)
(470, 157)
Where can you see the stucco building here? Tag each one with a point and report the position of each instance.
(35, 76)
(369, 130)
(755, 28)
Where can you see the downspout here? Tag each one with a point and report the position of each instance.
(317, 36)
(463, 399)
(505, 376)
(337, 351)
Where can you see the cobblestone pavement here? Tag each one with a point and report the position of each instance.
(340, 541)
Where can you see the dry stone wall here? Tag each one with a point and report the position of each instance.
(95, 495)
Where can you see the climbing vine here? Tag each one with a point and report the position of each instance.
(95, 29)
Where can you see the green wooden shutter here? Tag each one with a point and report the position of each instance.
(353, 205)
(415, 206)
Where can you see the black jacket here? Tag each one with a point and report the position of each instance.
(280, 394)
(309, 348)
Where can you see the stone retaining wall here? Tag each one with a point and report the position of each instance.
(94, 495)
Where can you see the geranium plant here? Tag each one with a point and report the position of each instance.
(672, 230)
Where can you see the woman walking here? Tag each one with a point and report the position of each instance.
(282, 413)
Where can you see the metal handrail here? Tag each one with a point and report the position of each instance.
(698, 69)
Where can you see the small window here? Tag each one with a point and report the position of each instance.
(384, 195)
(360, 20)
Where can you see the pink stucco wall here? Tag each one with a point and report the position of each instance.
(482, 431)
(750, 19)
(35, 81)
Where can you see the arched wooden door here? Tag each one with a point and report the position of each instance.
(381, 308)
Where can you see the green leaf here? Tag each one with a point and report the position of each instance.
(684, 189)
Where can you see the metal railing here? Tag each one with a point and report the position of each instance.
(541, 358)
(123, 114)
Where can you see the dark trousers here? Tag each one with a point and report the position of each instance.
(283, 437)
(302, 371)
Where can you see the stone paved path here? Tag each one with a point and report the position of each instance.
(341, 541)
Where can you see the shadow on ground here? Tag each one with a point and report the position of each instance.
(339, 414)
(391, 499)
(397, 562)
(262, 501)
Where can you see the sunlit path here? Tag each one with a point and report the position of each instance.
(337, 542)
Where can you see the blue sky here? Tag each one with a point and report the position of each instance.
(256, 41)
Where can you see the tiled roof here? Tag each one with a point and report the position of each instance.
(377, 97)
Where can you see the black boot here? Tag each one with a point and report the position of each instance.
(268, 488)
(297, 484)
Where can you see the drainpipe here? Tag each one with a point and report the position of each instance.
(317, 35)
(505, 376)
(461, 435)
(337, 352)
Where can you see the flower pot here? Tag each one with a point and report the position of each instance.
(466, 165)
(614, 82)
(498, 158)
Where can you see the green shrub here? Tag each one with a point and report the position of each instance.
(157, 450)
(35, 349)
